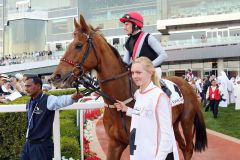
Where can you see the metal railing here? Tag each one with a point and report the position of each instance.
(192, 43)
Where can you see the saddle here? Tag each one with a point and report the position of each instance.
(172, 91)
(165, 88)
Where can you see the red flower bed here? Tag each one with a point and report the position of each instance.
(88, 154)
(92, 114)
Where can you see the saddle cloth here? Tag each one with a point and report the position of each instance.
(176, 97)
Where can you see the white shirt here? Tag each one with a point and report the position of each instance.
(152, 119)
(57, 102)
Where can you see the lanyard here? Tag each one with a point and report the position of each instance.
(29, 122)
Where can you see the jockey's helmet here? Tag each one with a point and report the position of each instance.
(133, 17)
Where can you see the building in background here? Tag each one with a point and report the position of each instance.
(203, 35)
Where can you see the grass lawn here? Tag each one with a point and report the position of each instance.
(228, 121)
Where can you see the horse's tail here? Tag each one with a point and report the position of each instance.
(200, 132)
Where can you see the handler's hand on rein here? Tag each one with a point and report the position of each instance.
(120, 106)
(76, 96)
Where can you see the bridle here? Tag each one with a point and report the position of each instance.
(87, 81)
(79, 66)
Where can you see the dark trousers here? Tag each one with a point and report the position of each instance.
(38, 150)
(170, 156)
(204, 100)
(214, 107)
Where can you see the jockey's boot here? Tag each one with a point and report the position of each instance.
(165, 88)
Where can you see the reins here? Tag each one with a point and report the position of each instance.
(89, 83)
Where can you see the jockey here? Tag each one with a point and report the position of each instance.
(140, 43)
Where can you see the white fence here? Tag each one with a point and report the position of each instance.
(56, 125)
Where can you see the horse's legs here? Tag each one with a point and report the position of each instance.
(118, 139)
(179, 138)
(188, 135)
(115, 149)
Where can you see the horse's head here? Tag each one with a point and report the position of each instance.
(80, 56)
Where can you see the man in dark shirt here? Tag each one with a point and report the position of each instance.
(40, 115)
(206, 84)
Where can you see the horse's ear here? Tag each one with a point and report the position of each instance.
(85, 28)
(77, 26)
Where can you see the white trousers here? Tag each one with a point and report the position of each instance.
(158, 70)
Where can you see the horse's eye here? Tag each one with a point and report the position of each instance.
(79, 46)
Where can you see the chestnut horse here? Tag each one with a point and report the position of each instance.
(89, 50)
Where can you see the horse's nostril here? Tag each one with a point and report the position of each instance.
(57, 76)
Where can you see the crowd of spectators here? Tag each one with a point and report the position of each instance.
(13, 87)
(229, 92)
(24, 57)
(10, 85)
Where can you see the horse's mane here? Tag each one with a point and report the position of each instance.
(115, 51)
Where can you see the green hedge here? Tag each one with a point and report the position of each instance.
(68, 128)
(62, 92)
(13, 130)
(70, 147)
(12, 134)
